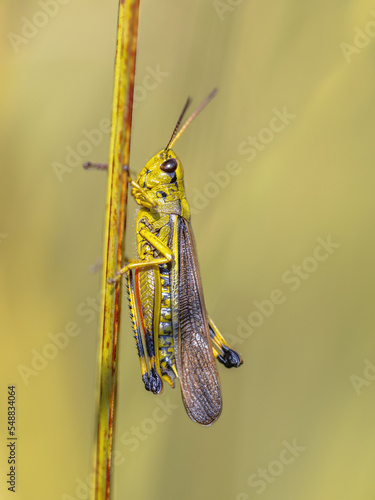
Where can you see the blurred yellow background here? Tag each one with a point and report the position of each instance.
(280, 173)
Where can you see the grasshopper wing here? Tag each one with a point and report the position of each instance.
(196, 368)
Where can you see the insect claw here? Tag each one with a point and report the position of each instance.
(101, 166)
(230, 358)
(153, 382)
(98, 166)
(114, 280)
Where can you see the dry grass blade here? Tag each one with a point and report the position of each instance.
(114, 237)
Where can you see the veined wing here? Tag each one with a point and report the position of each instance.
(195, 360)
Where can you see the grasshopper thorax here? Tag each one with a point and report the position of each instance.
(162, 179)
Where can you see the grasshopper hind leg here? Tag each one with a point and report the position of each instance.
(150, 376)
(222, 350)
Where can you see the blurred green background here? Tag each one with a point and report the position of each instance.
(308, 377)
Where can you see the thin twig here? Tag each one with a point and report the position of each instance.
(115, 225)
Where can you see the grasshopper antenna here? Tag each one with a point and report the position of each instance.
(176, 135)
(171, 140)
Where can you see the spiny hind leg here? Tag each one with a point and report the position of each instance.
(150, 376)
(136, 325)
(149, 323)
(149, 311)
(221, 349)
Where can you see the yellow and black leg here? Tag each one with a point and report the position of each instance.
(221, 349)
(145, 347)
(136, 326)
(150, 315)
(149, 325)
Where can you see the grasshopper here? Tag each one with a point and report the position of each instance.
(174, 335)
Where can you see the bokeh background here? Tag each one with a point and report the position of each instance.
(308, 377)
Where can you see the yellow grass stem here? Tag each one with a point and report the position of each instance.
(115, 224)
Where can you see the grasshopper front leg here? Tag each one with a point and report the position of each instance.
(138, 191)
(158, 245)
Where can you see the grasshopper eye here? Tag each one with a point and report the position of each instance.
(169, 166)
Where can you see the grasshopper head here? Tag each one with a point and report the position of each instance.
(163, 169)
(162, 179)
